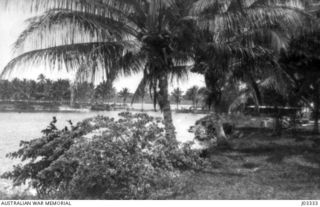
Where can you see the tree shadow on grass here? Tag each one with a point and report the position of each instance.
(286, 169)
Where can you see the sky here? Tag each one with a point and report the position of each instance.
(12, 24)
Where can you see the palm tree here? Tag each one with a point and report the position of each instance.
(141, 95)
(244, 36)
(83, 75)
(205, 97)
(124, 94)
(239, 40)
(72, 89)
(104, 92)
(42, 79)
(46, 93)
(154, 36)
(193, 95)
(113, 37)
(177, 96)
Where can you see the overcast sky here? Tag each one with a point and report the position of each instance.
(12, 23)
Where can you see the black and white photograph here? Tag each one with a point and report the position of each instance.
(148, 100)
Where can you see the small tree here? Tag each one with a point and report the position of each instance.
(42, 79)
(105, 92)
(177, 96)
(193, 95)
(124, 94)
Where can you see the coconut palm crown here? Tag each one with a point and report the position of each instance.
(243, 38)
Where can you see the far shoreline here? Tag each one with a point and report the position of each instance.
(29, 107)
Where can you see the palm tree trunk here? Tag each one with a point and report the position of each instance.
(222, 139)
(256, 91)
(72, 95)
(316, 111)
(166, 108)
(92, 97)
(277, 130)
(142, 104)
(109, 84)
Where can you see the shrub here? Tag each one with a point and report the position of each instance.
(104, 158)
(205, 131)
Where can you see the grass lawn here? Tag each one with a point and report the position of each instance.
(261, 166)
(256, 166)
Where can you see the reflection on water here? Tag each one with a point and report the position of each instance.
(25, 126)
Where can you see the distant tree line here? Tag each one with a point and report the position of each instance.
(63, 90)
(44, 89)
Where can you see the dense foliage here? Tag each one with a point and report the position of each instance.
(104, 158)
(44, 89)
(32, 90)
(301, 63)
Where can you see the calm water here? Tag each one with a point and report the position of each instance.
(25, 126)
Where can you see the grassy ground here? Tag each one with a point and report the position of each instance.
(261, 166)
(257, 166)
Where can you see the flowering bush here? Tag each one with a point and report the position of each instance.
(104, 158)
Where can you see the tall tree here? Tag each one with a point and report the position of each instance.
(239, 40)
(244, 37)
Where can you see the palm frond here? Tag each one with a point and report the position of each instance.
(232, 23)
(145, 81)
(180, 73)
(226, 50)
(272, 39)
(91, 6)
(214, 6)
(262, 72)
(300, 4)
(65, 26)
(70, 57)
(277, 80)
(132, 61)
(241, 100)
(84, 75)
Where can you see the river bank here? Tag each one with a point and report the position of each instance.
(55, 107)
